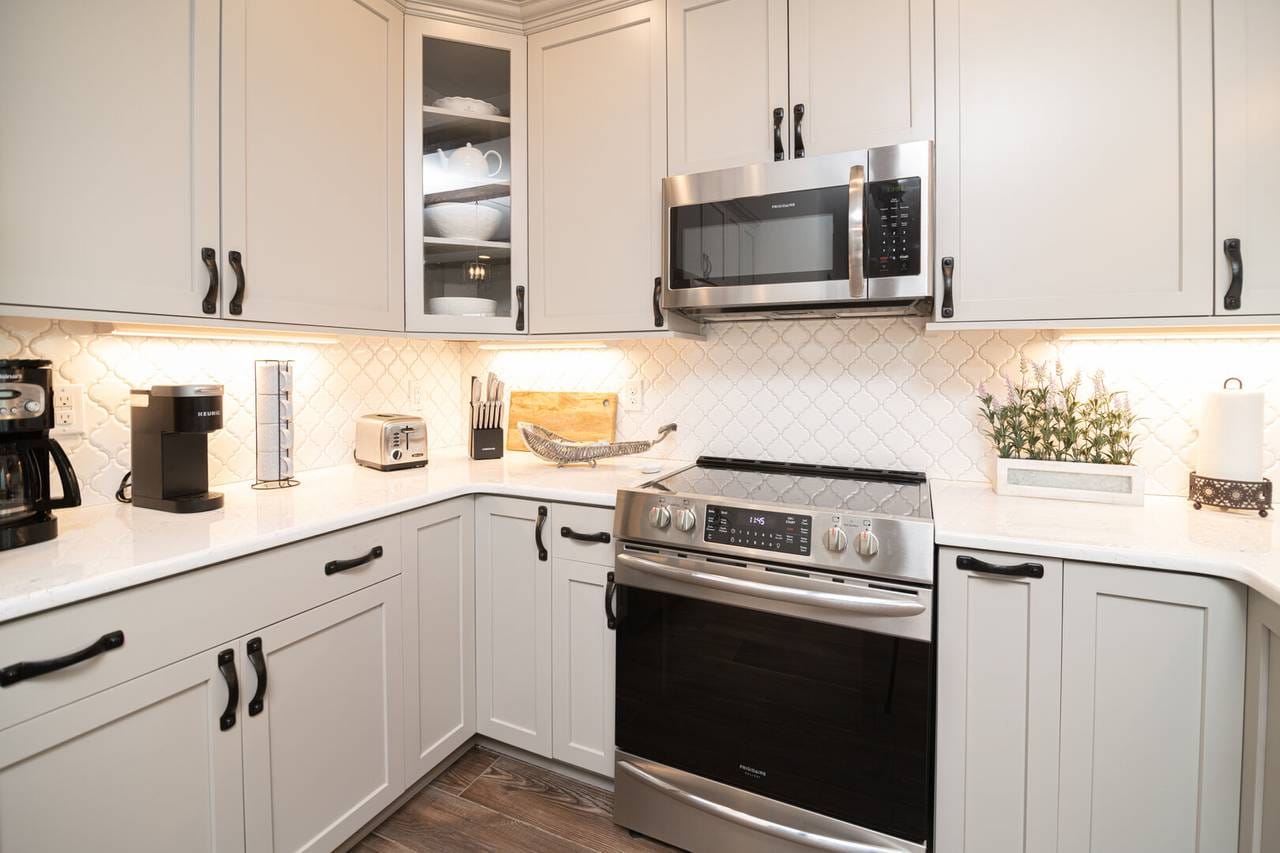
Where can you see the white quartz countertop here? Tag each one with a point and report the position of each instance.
(105, 548)
(1165, 533)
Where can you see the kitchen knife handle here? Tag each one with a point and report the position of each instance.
(1231, 248)
(259, 661)
(227, 666)
(519, 307)
(948, 304)
(537, 534)
(334, 566)
(210, 258)
(779, 153)
(1021, 570)
(798, 148)
(23, 670)
(237, 298)
(658, 319)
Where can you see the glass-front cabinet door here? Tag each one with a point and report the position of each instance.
(466, 254)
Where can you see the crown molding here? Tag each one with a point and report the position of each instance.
(516, 16)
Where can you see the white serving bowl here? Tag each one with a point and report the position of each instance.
(462, 306)
(462, 220)
(467, 105)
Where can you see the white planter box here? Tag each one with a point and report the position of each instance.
(1070, 481)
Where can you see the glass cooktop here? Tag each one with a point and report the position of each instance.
(830, 487)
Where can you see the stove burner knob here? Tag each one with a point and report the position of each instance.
(685, 520)
(660, 517)
(31, 406)
(835, 540)
(866, 543)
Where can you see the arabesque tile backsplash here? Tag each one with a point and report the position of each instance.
(876, 392)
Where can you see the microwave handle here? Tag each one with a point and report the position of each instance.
(857, 178)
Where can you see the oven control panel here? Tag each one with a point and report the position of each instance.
(893, 212)
(784, 532)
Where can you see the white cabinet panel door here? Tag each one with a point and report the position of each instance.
(1075, 158)
(1260, 788)
(312, 161)
(583, 668)
(999, 666)
(324, 755)
(143, 767)
(597, 156)
(863, 70)
(1152, 707)
(1247, 109)
(440, 632)
(726, 77)
(513, 623)
(108, 154)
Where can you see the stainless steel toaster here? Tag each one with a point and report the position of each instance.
(391, 442)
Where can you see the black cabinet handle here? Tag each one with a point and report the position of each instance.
(948, 303)
(254, 650)
(210, 258)
(779, 153)
(602, 537)
(798, 149)
(537, 533)
(227, 666)
(658, 319)
(334, 566)
(1231, 248)
(519, 307)
(237, 298)
(610, 618)
(23, 670)
(1022, 570)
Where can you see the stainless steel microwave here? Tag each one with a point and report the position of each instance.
(836, 235)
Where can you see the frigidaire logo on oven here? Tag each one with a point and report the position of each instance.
(781, 206)
(752, 772)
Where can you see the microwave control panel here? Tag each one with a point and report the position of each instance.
(892, 240)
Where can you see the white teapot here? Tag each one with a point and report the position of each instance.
(469, 162)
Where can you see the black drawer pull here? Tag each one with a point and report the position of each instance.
(334, 566)
(520, 308)
(254, 650)
(601, 537)
(1022, 570)
(797, 150)
(227, 666)
(23, 670)
(237, 298)
(610, 618)
(537, 534)
(948, 300)
(658, 319)
(210, 258)
(779, 153)
(1231, 248)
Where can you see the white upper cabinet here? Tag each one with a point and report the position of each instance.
(466, 172)
(727, 99)
(312, 171)
(1076, 141)
(861, 73)
(109, 155)
(597, 153)
(1247, 104)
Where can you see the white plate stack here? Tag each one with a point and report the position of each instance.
(274, 407)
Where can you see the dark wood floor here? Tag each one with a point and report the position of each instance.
(490, 802)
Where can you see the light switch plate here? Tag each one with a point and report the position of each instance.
(632, 396)
(68, 410)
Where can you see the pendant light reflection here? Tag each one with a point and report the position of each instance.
(478, 270)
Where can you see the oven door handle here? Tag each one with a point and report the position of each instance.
(864, 605)
(800, 837)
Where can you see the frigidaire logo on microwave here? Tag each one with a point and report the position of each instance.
(781, 206)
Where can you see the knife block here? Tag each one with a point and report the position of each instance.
(486, 443)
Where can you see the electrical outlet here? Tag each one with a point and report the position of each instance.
(415, 394)
(68, 410)
(632, 396)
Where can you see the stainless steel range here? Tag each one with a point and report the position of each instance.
(774, 658)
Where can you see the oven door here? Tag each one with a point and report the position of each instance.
(795, 709)
(787, 233)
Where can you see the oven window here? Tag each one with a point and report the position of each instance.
(770, 239)
(827, 718)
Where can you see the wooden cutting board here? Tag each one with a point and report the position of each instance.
(572, 414)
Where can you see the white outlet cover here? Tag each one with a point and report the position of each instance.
(632, 396)
(68, 410)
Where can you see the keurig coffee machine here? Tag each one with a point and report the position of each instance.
(26, 416)
(170, 446)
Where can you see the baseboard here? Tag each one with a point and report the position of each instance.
(575, 773)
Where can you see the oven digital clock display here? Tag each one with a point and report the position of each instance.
(782, 532)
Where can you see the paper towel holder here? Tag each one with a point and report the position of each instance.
(1251, 495)
(1236, 379)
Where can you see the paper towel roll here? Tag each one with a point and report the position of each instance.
(1230, 443)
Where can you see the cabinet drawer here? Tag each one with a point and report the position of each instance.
(179, 616)
(582, 521)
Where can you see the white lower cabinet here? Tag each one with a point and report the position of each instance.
(583, 667)
(1260, 785)
(143, 766)
(1147, 669)
(439, 632)
(323, 755)
(513, 622)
